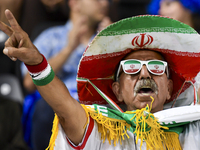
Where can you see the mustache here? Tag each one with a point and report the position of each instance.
(146, 83)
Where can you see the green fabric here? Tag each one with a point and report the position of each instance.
(142, 24)
(111, 113)
(45, 80)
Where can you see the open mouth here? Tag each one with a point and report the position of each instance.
(147, 90)
(146, 86)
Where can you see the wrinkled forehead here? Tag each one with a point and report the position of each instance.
(144, 55)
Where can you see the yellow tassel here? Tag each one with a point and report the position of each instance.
(110, 128)
(54, 133)
(155, 137)
(172, 141)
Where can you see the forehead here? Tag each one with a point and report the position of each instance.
(144, 55)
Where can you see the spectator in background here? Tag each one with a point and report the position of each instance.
(63, 46)
(186, 11)
(41, 14)
(11, 134)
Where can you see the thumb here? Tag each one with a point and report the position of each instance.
(8, 52)
(30, 56)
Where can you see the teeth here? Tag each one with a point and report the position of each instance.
(145, 84)
(145, 87)
(146, 94)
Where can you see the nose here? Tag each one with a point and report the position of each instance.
(144, 73)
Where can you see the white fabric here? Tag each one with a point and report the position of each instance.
(189, 139)
(180, 42)
(185, 99)
(41, 75)
(94, 142)
(178, 114)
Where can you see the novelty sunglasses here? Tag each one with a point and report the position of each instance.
(133, 66)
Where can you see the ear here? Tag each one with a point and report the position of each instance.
(170, 88)
(117, 92)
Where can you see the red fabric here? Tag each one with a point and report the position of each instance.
(88, 132)
(37, 68)
(88, 95)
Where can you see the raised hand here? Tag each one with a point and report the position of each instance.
(80, 27)
(18, 45)
(104, 23)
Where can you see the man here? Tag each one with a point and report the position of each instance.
(132, 48)
(63, 46)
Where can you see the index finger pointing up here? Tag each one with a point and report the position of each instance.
(5, 28)
(11, 19)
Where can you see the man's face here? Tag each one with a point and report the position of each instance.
(134, 90)
(96, 10)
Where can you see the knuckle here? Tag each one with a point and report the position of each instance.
(25, 35)
(6, 43)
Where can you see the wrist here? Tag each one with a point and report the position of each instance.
(42, 73)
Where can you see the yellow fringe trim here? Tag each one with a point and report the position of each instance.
(54, 133)
(112, 129)
(172, 141)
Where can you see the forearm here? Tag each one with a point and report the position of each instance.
(71, 114)
(56, 95)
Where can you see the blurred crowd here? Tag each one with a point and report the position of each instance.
(61, 30)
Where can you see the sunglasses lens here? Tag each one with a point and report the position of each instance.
(131, 66)
(156, 67)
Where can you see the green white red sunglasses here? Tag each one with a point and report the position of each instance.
(133, 66)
